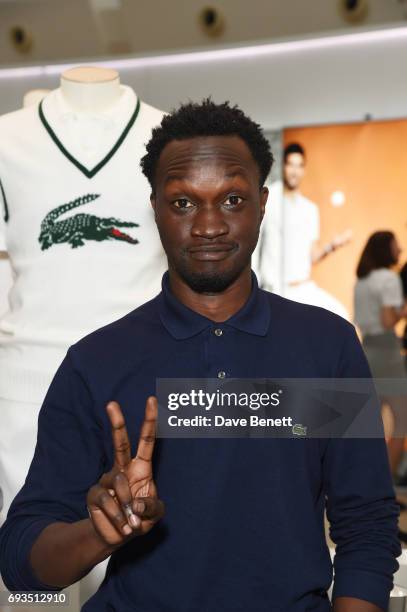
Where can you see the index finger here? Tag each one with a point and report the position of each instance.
(148, 430)
(121, 443)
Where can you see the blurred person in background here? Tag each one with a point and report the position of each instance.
(403, 276)
(289, 243)
(378, 306)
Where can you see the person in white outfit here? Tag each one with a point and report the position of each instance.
(288, 244)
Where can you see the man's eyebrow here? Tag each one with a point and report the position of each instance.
(174, 177)
(240, 172)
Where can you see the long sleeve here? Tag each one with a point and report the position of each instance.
(361, 506)
(68, 459)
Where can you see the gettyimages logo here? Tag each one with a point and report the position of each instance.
(207, 401)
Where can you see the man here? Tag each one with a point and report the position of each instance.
(243, 527)
(289, 241)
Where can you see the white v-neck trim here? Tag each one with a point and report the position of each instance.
(89, 137)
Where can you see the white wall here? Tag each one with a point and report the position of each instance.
(341, 83)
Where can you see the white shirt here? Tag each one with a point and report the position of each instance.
(382, 287)
(79, 230)
(289, 228)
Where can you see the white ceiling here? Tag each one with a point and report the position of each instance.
(63, 30)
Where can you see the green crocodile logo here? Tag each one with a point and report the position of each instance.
(299, 430)
(80, 227)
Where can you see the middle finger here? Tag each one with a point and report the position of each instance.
(119, 485)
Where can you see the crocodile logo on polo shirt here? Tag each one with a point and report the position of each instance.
(299, 430)
(75, 230)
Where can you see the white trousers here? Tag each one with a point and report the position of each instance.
(18, 436)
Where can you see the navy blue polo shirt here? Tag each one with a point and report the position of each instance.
(244, 523)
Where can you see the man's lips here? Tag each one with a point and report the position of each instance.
(212, 251)
(219, 246)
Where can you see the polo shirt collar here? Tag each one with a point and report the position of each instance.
(182, 322)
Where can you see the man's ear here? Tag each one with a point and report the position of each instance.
(264, 193)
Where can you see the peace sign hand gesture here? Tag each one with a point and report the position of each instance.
(124, 502)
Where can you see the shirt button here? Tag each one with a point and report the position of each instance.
(218, 332)
(221, 374)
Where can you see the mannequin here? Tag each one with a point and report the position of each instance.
(81, 238)
(90, 89)
(34, 96)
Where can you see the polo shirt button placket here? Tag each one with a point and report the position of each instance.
(219, 332)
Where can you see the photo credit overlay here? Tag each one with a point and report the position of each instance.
(276, 408)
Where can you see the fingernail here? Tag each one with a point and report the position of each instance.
(127, 530)
(139, 507)
(134, 520)
(128, 510)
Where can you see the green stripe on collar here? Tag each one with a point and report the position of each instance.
(101, 164)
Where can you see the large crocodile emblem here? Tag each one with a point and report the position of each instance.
(80, 227)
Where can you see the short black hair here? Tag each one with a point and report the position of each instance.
(293, 147)
(193, 120)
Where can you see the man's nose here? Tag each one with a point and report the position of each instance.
(209, 222)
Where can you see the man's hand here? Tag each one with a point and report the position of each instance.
(342, 238)
(124, 502)
(318, 253)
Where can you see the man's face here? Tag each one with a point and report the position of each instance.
(208, 208)
(294, 168)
